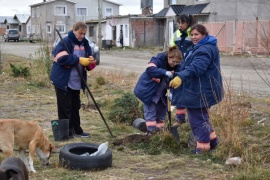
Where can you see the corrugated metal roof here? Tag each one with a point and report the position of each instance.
(161, 13)
(194, 9)
(22, 18)
(178, 8)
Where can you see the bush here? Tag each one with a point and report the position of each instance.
(19, 71)
(100, 80)
(125, 109)
(42, 68)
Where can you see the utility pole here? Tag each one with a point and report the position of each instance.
(99, 23)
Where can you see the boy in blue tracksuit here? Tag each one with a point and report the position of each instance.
(151, 87)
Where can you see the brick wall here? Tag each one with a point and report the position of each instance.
(147, 31)
(2, 31)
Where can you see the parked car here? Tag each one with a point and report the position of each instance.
(12, 34)
(94, 47)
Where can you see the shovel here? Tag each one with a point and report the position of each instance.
(172, 129)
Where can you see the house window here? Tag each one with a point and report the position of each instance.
(61, 28)
(33, 12)
(20, 28)
(38, 12)
(171, 2)
(108, 12)
(48, 28)
(91, 31)
(60, 10)
(81, 11)
(7, 26)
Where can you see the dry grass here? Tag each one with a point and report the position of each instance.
(238, 130)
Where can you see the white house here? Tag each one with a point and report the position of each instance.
(62, 14)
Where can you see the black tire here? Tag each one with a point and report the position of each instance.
(70, 157)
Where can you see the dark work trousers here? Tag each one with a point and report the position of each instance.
(200, 124)
(69, 104)
(122, 42)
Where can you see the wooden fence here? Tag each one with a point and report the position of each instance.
(241, 37)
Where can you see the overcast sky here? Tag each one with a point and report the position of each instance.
(11, 7)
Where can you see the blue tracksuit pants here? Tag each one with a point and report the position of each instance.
(201, 127)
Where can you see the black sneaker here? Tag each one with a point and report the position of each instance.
(214, 143)
(84, 135)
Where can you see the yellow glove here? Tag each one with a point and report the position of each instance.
(84, 61)
(176, 82)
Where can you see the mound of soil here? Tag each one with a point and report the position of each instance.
(134, 138)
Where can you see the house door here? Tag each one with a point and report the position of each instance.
(114, 35)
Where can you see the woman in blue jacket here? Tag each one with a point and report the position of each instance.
(152, 84)
(66, 78)
(200, 86)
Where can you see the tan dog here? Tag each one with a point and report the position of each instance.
(25, 135)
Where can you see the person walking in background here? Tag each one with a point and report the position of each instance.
(66, 75)
(199, 83)
(151, 87)
(121, 40)
(181, 38)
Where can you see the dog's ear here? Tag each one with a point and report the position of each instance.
(10, 173)
(51, 147)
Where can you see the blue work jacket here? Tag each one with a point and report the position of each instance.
(148, 82)
(201, 77)
(61, 69)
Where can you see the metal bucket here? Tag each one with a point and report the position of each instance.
(140, 124)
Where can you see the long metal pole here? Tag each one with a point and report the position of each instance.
(85, 85)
